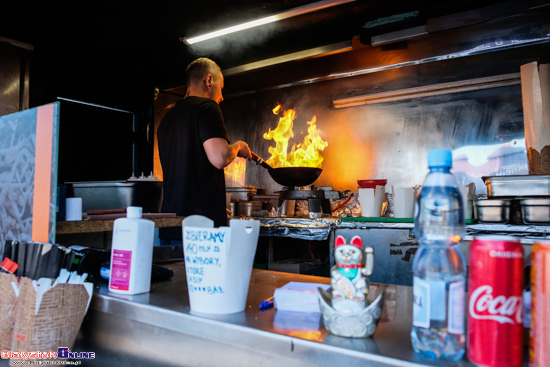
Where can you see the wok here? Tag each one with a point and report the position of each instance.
(295, 176)
(290, 176)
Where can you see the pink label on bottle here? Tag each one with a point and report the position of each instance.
(120, 270)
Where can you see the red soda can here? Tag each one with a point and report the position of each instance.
(539, 349)
(495, 301)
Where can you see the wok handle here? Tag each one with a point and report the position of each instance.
(256, 158)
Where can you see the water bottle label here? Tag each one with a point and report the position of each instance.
(456, 307)
(429, 302)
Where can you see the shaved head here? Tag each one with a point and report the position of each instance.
(199, 69)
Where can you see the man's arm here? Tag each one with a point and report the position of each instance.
(221, 154)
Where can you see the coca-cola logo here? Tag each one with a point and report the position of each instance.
(484, 306)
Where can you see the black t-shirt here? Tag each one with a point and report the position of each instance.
(192, 185)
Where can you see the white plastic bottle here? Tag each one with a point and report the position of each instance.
(132, 253)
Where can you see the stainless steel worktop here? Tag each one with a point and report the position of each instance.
(158, 328)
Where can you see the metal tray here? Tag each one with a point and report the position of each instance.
(535, 211)
(118, 194)
(493, 210)
(518, 185)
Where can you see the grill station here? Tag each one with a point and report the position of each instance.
(292, 178)
(318, 200)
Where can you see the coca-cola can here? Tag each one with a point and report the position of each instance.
(539, 347)
(495, 301)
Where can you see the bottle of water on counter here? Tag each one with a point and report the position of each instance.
(439, 272)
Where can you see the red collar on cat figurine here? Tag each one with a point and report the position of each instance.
(351, 266)
(355, 241)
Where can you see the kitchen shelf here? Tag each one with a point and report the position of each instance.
(90, 226)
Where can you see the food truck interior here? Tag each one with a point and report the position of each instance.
(383, 83)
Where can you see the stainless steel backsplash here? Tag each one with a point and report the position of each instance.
(390, 140)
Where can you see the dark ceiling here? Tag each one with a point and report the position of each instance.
(117, 53)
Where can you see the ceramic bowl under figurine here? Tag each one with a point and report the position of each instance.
(358, 324)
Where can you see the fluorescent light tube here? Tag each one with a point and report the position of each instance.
(269, 19)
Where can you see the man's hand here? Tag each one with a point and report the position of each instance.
(244, 150)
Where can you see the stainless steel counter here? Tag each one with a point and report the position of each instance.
(158, 328)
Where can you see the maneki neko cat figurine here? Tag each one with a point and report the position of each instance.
(349, 281)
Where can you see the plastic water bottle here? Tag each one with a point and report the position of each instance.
(439, 271)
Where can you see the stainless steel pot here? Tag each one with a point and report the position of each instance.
(246, 208)
(242, 193)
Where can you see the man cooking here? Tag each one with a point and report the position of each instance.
(194, 149)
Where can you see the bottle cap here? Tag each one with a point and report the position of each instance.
(440, 158)
(134, 212)
(8, 266)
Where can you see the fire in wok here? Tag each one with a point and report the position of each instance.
(300, 166)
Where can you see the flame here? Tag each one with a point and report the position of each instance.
(277, 109)
(305, 154)
(235, 173)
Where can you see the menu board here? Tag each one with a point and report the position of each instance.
(28, 174)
